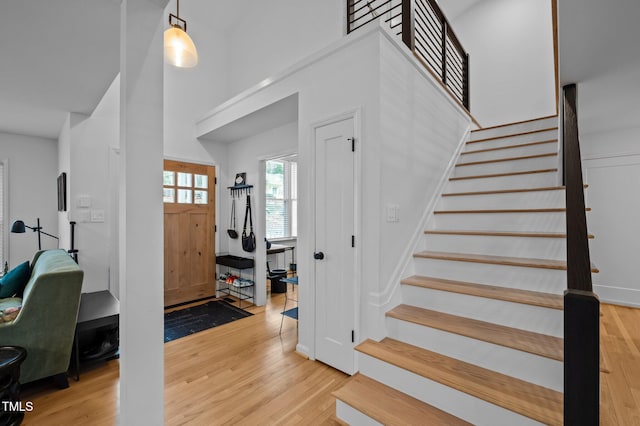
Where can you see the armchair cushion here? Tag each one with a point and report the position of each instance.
(13, 283)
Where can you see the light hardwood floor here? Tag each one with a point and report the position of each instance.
(246, 373)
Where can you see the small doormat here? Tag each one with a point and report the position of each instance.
(291, 313)
(187, 321)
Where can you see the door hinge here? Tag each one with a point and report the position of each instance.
(353, 144)
(353, 241)
(353, 336)
(215, 180)
(215, 228)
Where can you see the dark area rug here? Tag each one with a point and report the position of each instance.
(187, 321)
(291, 313)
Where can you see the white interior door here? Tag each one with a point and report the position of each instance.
(334, 252)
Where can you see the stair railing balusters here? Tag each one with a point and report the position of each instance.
(434, 54)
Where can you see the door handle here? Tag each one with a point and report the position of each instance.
(318, 255)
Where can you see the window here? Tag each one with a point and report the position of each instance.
(184, 188)
(281, 193)
(4, 239)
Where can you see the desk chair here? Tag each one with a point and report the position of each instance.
(293, 281)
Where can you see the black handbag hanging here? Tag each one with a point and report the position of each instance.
(232, 226)
(248, 241)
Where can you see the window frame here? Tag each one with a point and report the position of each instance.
(287, 196)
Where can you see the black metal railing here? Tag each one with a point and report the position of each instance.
(581, 305)
(426, 31)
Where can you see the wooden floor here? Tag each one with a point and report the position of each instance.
(246, 373)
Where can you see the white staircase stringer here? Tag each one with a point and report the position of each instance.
(385, 300)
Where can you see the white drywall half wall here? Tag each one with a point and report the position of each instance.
(510, 44)
(32, 194)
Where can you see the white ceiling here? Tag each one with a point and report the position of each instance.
(57, 57)
(61, 56)
(599, 49)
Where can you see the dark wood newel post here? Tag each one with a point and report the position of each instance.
(408, 24)
(581, 305)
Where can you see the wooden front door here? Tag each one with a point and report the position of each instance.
(189, 235)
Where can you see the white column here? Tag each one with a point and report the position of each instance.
(141, 220)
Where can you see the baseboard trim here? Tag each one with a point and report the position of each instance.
(618, 296)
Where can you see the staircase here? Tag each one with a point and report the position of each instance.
(478, 337)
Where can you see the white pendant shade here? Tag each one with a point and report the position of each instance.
(179, 49)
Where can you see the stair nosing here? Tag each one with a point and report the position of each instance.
(477, 211)
(497, 126)
(468, 327)
(471, 379)
(505, 191)
(524, 297)
(559, 265)
(511, 135)
(494, 175)
(503, 160)
(499, 148)
(390, 394)
(523, 234)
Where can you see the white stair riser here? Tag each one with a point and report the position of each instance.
(539, 370)
(535, 279)
(506, 166)
(470, 155)
(508, 200)
(515, 128)
(525, 317)
(459, 404)
(351, 416)
(523, 222)
(529, 247)
(512, 140)
(530, 180)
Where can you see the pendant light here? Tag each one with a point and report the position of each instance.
(179, 49)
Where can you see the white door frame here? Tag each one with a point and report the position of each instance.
(355, 114)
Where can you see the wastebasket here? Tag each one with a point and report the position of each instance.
(277, 286)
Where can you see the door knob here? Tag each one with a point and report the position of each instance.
(318, 255)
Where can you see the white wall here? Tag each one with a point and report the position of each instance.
(32, 190)
(247, 155)
(272, 35)
(511, 58)
(420, 131)
(611, 162)
(88, 142)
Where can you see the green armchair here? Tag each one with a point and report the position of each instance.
(45, 326)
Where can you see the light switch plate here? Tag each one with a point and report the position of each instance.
(97, 215)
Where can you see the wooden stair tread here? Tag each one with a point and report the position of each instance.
(502, 160)
(504, 191)
(492, 175)
(533, 401)
(499, 148)
(526, 297)
(515, 122)
(500, 233)
(497, 260)
(390, 406)
(527, 341)
(510, 135)
(469, 211)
